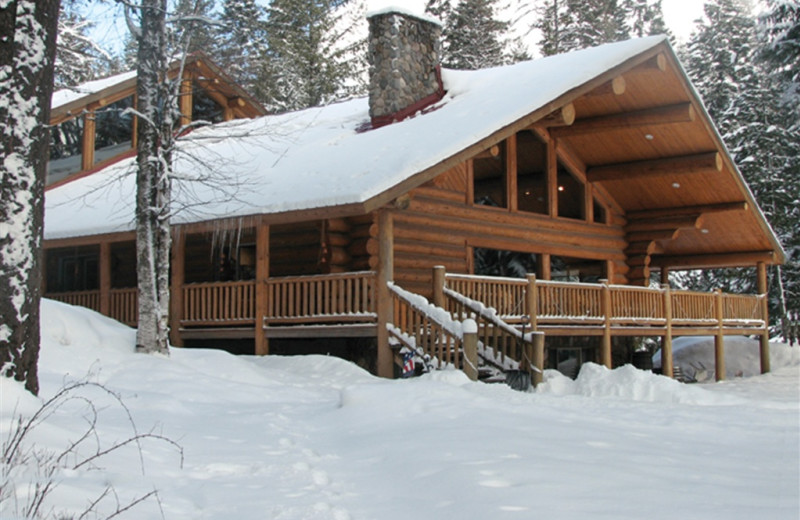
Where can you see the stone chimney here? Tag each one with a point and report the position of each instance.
(404, 65)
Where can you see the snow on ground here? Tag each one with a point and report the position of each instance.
(315, 437)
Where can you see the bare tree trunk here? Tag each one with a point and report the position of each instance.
(27, 50)
(156, 108)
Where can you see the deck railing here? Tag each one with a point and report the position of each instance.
(569, 303)
(124, 306)
(219, 303)
(88, 299)
(327, 298)
(425, 329)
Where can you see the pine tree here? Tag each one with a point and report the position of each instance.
(588, 23)
(242, 37)
(780, 27)
(307, 62)
(645, 18)
(192, 28)
(744, 101)
(553, 17)
(473, 36)
(27, 55)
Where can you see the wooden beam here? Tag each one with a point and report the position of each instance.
(741, 259)
(658, 234)
(87, 142)
(690, 164)
(489, 153)
(680, 113)
(656, 63)
(552, 179)
(649, 214)
(511, 173)
(104, 265)
(262, 275)
(681, 222)
(185, 100)
(761, 270)
(177, 278)
(616, 86)
(385, 274)
(564, 116)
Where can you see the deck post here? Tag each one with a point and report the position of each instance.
(532, 300)
(538, 358)
(543, 266)
(764, 339)
(438, 285)
(470, 344)
(385, 274)
(665, 276)
(105, 278)
(178, 274)
(719, 340)
(88, 138)
(667, 367)
(262, 275)
(605, 349)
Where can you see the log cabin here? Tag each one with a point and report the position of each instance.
(595, 173)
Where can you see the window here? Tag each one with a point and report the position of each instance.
(531, 173)
(489, 177)
(75, 270)
(571, 202)
(113, 129)
(66, 140)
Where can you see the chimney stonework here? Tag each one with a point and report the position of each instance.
(404, 73)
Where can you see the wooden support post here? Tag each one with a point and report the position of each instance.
(87, 144)
(438, 285)
(719, 340)
(262, 294)
(105, 278)
(537, 371)
(511, 173)
(470, 344)
(385, 275)
(543, 266)
(665, 276)
(185, 100)
(605, 349)
(761, 268)
(532, 301)
(667, 367)
(177, 273)
(552, 178)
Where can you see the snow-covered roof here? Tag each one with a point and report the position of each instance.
(68, 95)
(318, 158)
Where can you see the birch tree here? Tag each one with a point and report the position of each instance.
(27, 49)
(156, 109)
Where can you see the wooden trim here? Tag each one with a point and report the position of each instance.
(339, 330)
(89, 240)
(710, 162)
(185, 99)
(719, 339)
(552, 179)
(671, 114)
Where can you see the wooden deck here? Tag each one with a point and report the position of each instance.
(344, 305)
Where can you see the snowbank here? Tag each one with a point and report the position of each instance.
(315, 437)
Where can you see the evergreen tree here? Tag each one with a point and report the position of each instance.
(306, 62)
(193, 26)
(588, 23)
(645, 18)
(780, 27)
(744, 101)
(553, 17)
(440, 9)
(242, 37)
(473, 37)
